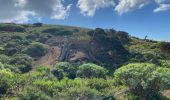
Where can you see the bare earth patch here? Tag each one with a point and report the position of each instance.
(50, 58)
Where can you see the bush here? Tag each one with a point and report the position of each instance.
(67, 89)
(33, 36)
(143, 79)
(12, 28)
(64, 69)
(11, 48)
(38, 24)
(123, 37)
(36, 50)
(17, 37)
(6, 82)
(1, 66)
(91, 70)
(82, 93)
(32, 93)
(4, 59)
(24, 62)
(58, 73)
(165, 47)
(44, 38)
(57, 31)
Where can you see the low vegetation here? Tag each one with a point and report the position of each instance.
(48, 62)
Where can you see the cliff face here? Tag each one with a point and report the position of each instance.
(96, 46)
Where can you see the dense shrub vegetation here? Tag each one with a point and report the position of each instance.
(97, 64)
(143, 80)
(12, 28)
(55, 31)
(91, 70)
(36, 50)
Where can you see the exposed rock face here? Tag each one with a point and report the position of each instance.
(100, 48)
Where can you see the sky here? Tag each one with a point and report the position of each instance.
(137, 17)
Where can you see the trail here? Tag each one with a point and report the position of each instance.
(50, 58)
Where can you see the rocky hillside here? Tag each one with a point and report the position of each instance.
(49, 62)
(47, 44)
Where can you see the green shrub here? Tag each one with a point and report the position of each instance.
(22, 61)
(82, 93)
(17, 37)
(91, 70)
(123, 37)
(143, 79)
(33, 36)
(165, 63)
(36, 50)
(12, 28)
(11, 48)
(43, 69)
(1, 66)
(4, 59)
(101, 84)
(57, 31)
(64, 69)
(58, 73)
(165, 47)
(38, 24)
(6, 81)
(32, 93)
(43, 38)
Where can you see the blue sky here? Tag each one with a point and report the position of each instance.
(138, 17)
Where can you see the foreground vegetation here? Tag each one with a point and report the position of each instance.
(46, 62)
(136, 81)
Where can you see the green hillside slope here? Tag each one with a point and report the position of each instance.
(41, 62)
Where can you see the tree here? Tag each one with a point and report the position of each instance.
(91, 70)
(143, 79)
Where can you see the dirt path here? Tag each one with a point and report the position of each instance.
(50, 58)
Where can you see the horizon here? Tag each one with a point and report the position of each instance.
(137, 17)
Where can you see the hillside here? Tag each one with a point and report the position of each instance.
(26, 47)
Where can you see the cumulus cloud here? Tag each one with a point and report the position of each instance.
(162, 1)
(20, 10)
(125, 6)
(89, 7)
(162, 7)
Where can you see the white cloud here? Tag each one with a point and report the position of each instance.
(48, 8)
(125, 6)
(162, 1)
(89, 7)
(20, 10)
(162, 7)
